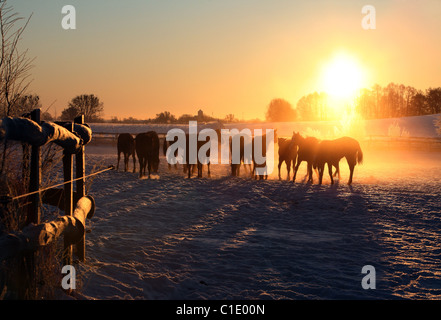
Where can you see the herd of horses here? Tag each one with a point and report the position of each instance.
(316, 153)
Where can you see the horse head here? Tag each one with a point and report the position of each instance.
(296, 138)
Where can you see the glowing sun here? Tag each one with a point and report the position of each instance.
(342, 77)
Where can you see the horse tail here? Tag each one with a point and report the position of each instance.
(359, 155)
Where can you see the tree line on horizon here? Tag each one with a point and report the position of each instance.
(88, 105)
(166, 117)
(391, 101)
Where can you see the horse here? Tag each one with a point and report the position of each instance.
(263, 175)
(287, 154)
(235, 167)
(330, 152)
(126, 145)
(190, 168)
(147, 149)
(307, 149)
(165, 145)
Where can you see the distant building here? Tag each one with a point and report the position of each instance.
(200, 115)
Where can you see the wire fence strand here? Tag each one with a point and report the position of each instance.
(61, 184)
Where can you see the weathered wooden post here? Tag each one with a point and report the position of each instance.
(34, 212)
(68, 196)
(26, 148)
(80, 167)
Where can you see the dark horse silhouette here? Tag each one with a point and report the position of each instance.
(147, 149)
(245, 159)
(331, 151)
(287, 154)
(261, 165)
(307, 149)
(165, 145)
(126, 145)
(189, 168)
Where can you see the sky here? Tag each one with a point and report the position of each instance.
(143, 57)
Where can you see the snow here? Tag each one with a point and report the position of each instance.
(229, 237)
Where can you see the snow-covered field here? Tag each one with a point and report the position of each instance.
(236, 238)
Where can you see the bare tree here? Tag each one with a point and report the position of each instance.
(14, 64)
(89, 105)
(27, 103)
(69, 113)
(280, 110)
(433, 96)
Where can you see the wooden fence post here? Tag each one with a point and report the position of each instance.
(68, 197)
(80, 167)
(34, 212)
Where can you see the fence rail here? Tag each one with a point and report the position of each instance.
(72, 137)
(34, 236)
(409, 142)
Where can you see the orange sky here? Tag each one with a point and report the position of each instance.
(144, 57)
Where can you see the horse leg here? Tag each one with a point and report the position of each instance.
(330, 172)
(134, 162)
(119, 156)
(149, 167)
(199, 166)
(337, 170)
(352, 160)
(295, 171)
(320, 175)
(189, 170)
(140, 166)
(126, 162)
(321, 168)
(351, 168)
(295, 167)
(288, 168)
(310, 179)
(280, 164)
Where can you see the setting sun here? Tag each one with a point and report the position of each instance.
(342, 77)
